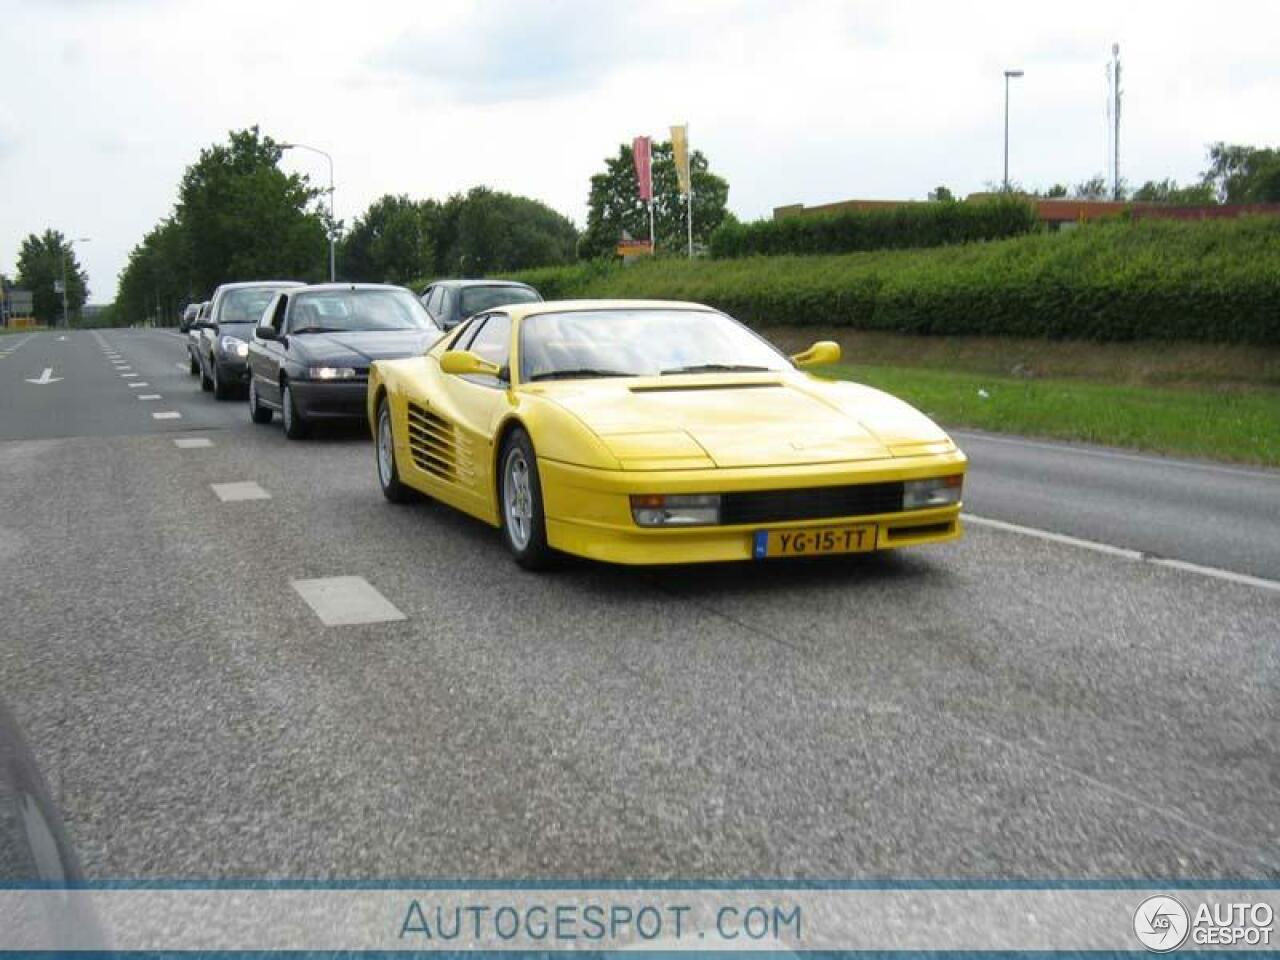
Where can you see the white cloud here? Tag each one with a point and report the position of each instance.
(792, 100)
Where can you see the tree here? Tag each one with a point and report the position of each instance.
(40, 270)
(942, 195)
(1095, 188)
(1168, 191)
(391, 242)
(1243, 174)
(1057, 191)
(615, 208)
(488, 231)
(246, 219)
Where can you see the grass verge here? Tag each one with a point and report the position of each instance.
(1242, 426)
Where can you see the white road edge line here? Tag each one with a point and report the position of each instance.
(1151, 460)
(1125, 553)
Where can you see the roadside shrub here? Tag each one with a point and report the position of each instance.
(1150, 280)
(908, 226)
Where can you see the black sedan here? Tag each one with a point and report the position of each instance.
(309, 359)
(451, 301)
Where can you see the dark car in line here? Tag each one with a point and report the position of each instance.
(189, 314)
(193, 336)
(451, 301)
(222, 350)
(309, 357)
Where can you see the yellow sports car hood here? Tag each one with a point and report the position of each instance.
(758, 420)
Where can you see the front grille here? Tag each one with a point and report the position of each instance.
(812, 503)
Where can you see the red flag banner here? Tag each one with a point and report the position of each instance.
(644, 167)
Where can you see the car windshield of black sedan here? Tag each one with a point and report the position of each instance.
(639, 343)
(339, 311)
(478, 299)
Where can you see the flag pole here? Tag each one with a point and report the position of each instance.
(689, 195)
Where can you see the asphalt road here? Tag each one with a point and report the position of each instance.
(1004, 707)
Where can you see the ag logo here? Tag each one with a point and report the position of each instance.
(1161, 923)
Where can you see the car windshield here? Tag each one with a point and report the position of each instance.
(479, 299)
(638, 342)
(246, 304)
(344, 310)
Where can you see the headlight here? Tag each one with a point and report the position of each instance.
(234, 345)
(330, 373)
(934, 492)
(683, 510)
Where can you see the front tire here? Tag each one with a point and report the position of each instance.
(221, 390)
(524, 523)
(257, 411)
(206, 384)
(295, 428)
(385, 453)
(193, 364)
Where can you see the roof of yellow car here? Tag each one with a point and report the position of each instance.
(520, 310)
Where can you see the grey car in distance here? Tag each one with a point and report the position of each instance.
(223, 348)
(451, 301)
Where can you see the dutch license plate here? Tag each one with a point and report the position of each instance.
(814, 541)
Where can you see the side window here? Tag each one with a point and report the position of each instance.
(470, 332)
(277, 315)
(492, 341)
(435, 302)
(446, 305)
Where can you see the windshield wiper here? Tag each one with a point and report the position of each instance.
(717, 368)
(581, 372)
(317, 330)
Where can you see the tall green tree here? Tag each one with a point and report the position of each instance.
(392, 241)
(615, 208)
(1243, 174)
(246, 219)
(489, 231)
(40, 270)
(942, 194)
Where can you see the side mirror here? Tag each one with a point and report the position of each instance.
(824, 351)
(203, 325)
(266, 333)
(463, 362)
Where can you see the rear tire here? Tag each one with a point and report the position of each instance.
(524, 523)
(257, 411)
(295, 428)
(384, 449)
(193, 364)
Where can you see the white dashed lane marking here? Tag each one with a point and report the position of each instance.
(147, 396)
(139, 383)
(239, 490)
(167, 415)
(182, 366)
(127, 375)
(345, 601)
(191, 443)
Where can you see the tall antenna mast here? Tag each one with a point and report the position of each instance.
(1115, 118)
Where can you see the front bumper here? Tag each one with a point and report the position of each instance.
(233, 371)
(333, 399)
(589, 511)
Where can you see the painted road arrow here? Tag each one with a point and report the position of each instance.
(46, 377)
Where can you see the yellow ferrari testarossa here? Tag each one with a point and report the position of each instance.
(635, 431)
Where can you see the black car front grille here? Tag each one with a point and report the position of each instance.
(810, 503)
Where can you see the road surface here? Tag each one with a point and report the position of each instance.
(1006, 707)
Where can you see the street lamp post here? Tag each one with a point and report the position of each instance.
(333, 262)
(1008, 74)
(66, 317)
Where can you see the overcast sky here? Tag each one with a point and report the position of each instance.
(103, 103)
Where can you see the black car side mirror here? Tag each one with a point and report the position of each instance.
(266, 333)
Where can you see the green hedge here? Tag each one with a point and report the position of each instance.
(908, 226)
(1161, 280)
